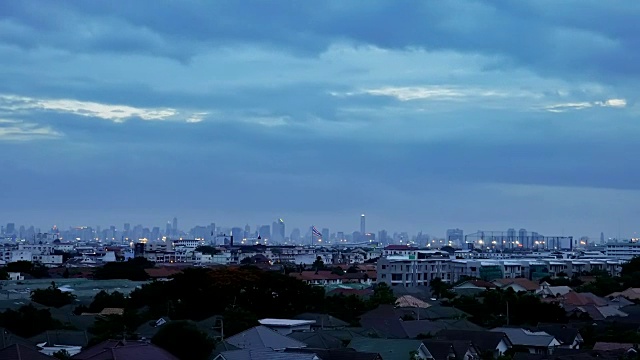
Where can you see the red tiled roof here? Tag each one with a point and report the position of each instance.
(580, 299)
(525, 283)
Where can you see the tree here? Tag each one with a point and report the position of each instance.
(337, 271)
(27, 267)
(353, 270)
(28, 321)
(133, 269)
(382, 294)
(62, 355)
(65, 274)
(206, 249)
(52, 296)
(184, 340)
(318, 264)
(4, 275)
(246, 261)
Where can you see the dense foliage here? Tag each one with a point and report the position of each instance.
(133, 269)
(28, 321)
(52, 296)
(184, 340)
(493, 308)
(37, 271)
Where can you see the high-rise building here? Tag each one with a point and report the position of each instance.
(363, 229)
(340, 236)
(455, 237)
(175, 226)
(383, 237)
(168, 231)
(265, 232)
(325, 234)
(601, 238)
(238, 235)
(10, 229)
(511, 237)
(522, 238)
(278, 231)
(295, 236)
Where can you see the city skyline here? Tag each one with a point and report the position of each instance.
(277, 227)
(476, 115)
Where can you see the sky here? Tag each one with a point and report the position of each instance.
(423, 115)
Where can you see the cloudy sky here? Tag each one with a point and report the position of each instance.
(423, 115)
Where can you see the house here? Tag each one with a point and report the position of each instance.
(322, 321)
(596, 307)
(609, 346)
(486, 341)
(260, 337)
(546, 290)
(392, 349)
(318, 277)
(265, 353)
(569, 337)
(338, 354)
(411, 302)
(317, 339)
(287, 326)
(473, 287)
(118, 349)
(630, 293)
(15, 276)
(452, 349)
(517, 284)
(22, 352)
(52, 341)
(536, 342)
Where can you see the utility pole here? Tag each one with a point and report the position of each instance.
(507, 313)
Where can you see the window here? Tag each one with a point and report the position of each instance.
(384, 267)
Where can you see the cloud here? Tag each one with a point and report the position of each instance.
(14, 130)
(614, 103)
(115, 113)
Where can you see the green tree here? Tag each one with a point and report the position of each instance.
(52, 296)
(184, 340)
(4, 275)
(382, 294)
(353, 270)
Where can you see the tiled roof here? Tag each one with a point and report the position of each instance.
(121, 350)
(484, 340)
(21, 352)
(260, 337)
(523, 337)
(524, 283)
(609, 346)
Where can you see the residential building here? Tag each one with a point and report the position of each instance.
(535, 342)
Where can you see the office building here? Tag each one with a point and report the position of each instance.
(455, 237)
(363, 229)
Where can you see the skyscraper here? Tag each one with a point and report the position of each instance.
(362, 225)
(265, 232)
(175, 226)
(325, 234)
(278, 230)
(455, 237)
(167, 231)
(522, 238)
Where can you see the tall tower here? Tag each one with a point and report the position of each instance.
(362, 225)
(175, 226)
